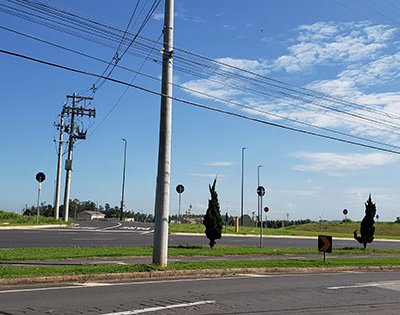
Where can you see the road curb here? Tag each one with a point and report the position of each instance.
(30, 227)
(205, 273)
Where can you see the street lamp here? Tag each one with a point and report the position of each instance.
(123, 179)
(241, 202)
(258, 199)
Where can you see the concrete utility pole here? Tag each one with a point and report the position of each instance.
(60, 127)
(123, 180)
(73, 111)
(160, 240)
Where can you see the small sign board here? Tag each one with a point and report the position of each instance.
(40, 177)
(325, 243)
(260, 191)
(180, 189)
(345, 211)
(266, 209)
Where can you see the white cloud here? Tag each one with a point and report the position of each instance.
(360, 58)
(220, 164)
(158, 16)
(334, 164)
(204, 175)
(326, 42)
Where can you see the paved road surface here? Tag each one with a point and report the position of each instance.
(103, 233)
(321, 293)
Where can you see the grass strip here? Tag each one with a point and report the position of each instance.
(383, 230)
(19, 271)
(59, 253)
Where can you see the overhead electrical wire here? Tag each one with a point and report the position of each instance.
(196, 92)
(190, 66)
(319, 95)
(196, 104)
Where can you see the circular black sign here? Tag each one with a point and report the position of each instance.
(345, 211)
(260, 191)
(40, 177)
(180, 189)
(266, 209)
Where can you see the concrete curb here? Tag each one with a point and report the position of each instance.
(30, 227)
(205, 273)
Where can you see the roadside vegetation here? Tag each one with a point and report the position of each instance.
(10, 218)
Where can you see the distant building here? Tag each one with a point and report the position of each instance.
(90, 215)
(247, 221)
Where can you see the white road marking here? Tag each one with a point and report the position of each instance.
(364, 285)
(160, 308)
(111, 227)
(94, 284)
(147, 232)
(390, 285)
(254, 275)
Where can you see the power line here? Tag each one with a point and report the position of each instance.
(196, 92)
(301, 94)
(195, 104)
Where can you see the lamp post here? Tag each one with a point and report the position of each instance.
(123, 179)
(258, 199)
(241, 200)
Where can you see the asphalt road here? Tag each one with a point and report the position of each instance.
(105, 233)
(319, 293)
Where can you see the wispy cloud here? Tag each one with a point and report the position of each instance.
(335, 164)
(204, 175)
(360, 56)
(325, 42)
(158, 16)
(219, 164)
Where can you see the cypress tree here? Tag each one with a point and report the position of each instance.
(212, 219)
(367, 228)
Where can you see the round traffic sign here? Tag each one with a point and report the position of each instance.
(345, 211)
(40, 177)
(180, 189)
(260, 191)
(266, 209)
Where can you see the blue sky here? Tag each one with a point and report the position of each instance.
(348, 50)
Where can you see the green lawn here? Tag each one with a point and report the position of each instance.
(383, 230)
(24, 254)
(17, 271)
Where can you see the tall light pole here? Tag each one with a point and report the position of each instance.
(241, 195)
(161, 212)
(123, 179)
(258, 198)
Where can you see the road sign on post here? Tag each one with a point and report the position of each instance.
(179, 189)
(260, 193)
(345, 212)
(40, 177)
(266, 209)
(325, 244)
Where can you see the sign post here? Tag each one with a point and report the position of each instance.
(325, 244)
(40, 177)
(179, 189)
(345, 212)
(260, 193)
